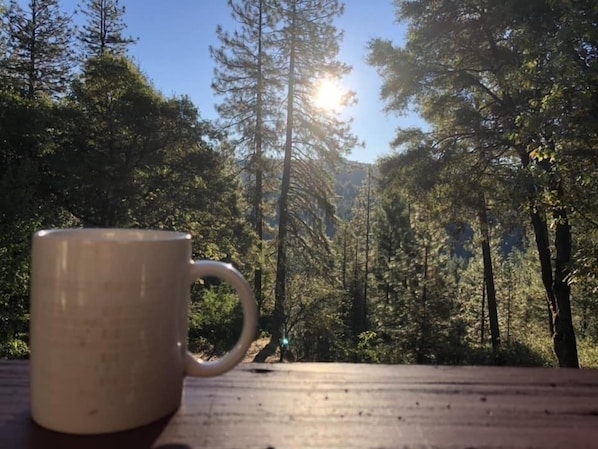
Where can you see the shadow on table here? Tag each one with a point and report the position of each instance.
(22, 432)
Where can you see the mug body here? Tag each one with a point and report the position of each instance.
(108, 327)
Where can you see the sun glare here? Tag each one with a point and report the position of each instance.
(329, 94)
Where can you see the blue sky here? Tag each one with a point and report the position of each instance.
(172, 51)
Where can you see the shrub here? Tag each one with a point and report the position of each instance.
(215, 321)
(14, 349)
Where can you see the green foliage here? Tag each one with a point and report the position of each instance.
(316, 322)
(102, 32)
(507, 87)
(506, 90)
(372, 349)
(513, 354)
(23, 206)
(128, 157)
(109, 130)
(38, 57)
(113, 152)
(215, 321)
(417, 278)
(14, 348)
(588, 352)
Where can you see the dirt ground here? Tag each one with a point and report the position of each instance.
(255, 347)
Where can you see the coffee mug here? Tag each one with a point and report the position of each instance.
(109, 318)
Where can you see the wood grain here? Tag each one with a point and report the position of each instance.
(321, 406)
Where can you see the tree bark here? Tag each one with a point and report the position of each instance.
(565, 345)
(367, 254)
(483, 314)
(421, 351)
(279, 317)
(558, 292)
(357, 303)
(543, 246)
(344, 260)
(489, 275)
(258, 156)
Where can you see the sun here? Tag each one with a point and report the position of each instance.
(329, 94)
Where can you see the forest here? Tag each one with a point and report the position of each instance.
(474, 242)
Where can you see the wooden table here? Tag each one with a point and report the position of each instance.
(346, 406)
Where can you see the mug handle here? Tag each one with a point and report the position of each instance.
(225, 271)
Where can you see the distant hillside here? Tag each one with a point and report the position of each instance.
(348, 181)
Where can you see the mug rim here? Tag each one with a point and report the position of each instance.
(113, 235)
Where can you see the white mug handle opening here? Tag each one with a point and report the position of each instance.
(226, 272)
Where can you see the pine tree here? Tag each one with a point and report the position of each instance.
(103, 30)
(486, 73)
(3, 38)
(34, 68)
(392, 234)
(110, 122)
(247, 78)
(416, 305)
(314, 141)
(359, 247)
(127, 156)
(39, 53)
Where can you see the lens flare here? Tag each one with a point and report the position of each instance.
(329, 94)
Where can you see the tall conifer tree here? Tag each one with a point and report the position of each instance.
(39, 52)
(315, 139)
(104, 27)
(248, 80)
(517, 78)
(268, 73)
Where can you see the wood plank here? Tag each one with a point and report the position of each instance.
(347, 406)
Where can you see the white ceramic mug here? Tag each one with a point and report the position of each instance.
(109, 326)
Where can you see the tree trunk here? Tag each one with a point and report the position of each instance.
(357, 312)
(565, 345)
(258, 156)
(103, 29)
(32, 69)
(557, 289)
(279, 318)
(543, 246)
(367, 254)
(509, 307)
(344, 261)
(389, 256)
(421, 351)
(483, 314)
(489, 275)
